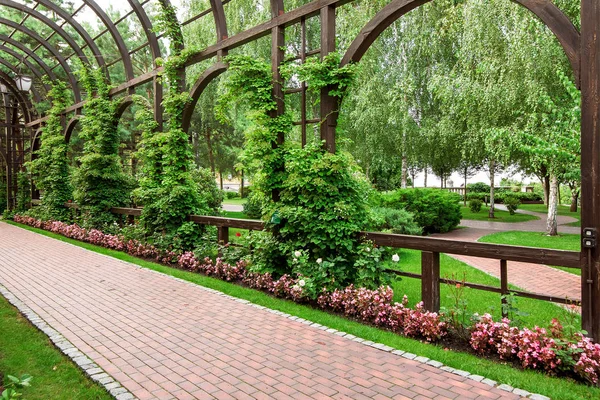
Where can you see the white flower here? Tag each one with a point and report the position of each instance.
(297, 253)
(319, 260)
(301, 283)
(368, 249)
(395, 258)
(295, 260)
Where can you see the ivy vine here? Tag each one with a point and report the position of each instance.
(100, 181)
(50, 169)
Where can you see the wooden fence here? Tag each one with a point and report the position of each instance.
(431, 249)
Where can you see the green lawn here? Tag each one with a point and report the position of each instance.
(25, 350)
(237, 201)
(233, 238)
(536, 239)
(534, 382)
(562, 210)
(501, 215)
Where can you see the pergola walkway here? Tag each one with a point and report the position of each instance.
(162, 338)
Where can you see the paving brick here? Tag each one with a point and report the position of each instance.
(163, 338)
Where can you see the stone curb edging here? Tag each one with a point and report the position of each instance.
(379, 346)
(91, 369)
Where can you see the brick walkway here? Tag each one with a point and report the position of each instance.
(163, 338)
(537, 278)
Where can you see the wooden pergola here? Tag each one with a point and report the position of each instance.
(21, 127)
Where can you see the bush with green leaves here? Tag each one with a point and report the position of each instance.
(23, 192)
(511, 203)
(208, 189)
(232, 195)
(253, 206)
(435, 210)
(100, 182)
(395, 221)
(3, 195)
(475, 205)
(50, 168)
(478, 187)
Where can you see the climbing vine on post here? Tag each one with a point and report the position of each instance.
(50, 170)
(166, 187)
(312, 231)
(100, 181)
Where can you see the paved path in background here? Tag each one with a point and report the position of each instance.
(537, 278)
(165, 339)
(232, 207)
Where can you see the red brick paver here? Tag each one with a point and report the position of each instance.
(164, 339)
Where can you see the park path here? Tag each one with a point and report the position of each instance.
(163, 338)
(537, 278)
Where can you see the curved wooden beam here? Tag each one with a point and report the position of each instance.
(201, 84)
(62, 61)
(42, 18)
(10, 85)
(545, 10)
(71, 127)
(13, 68)
(30, 54)
(112, 29)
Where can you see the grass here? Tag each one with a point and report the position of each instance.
(536, 239)
(529, 380)
(562, 210)
(237, 201)
(234, 231)
(501, 215)
(25, 350)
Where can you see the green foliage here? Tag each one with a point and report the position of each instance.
(50, 169)
(475, 205)
(395, 220)
(512, 203)
(253, 207)
(208, 189)
(14, 385)
(23, 192)
(3, 196)
(167, 188)
(100, 182)
(435, 210)
(478, 187)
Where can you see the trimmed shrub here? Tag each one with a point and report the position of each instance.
(435, 210)
(478, 187)
(511, 203)
(475, 205)
(253, 207)
(208, 189)
(231, 195)
(395, 220)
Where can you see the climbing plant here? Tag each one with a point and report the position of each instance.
(50, 169)
(99, 181)
(23, 192)
(313, 225)
(166, 188)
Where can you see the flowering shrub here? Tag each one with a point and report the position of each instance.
(554, 350)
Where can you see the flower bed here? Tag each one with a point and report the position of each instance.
(556, 350)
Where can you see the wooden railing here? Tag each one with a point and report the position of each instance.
(431, 249)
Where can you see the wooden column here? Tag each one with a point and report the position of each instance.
(590, 160)
(277, 58)
(504, 285)
(430, 280)
(329, 104)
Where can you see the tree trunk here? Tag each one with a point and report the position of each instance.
(221, 178)
(211, 155)
(465, 191)
(242, 186)
(574, 199)
(546, 185)
(404, 171)
(492, 176)
(551, 225)
(425, 177)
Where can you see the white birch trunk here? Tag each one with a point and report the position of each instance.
(551, 224)
(492, 176)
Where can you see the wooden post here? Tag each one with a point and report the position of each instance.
(430, 280)
(329, 103)
(277, 58)
(504, 285)
(223, 235)
(590, 161)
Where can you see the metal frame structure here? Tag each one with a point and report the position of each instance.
(581, 47)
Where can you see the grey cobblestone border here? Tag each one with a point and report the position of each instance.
(379, 346)
(90, 368)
